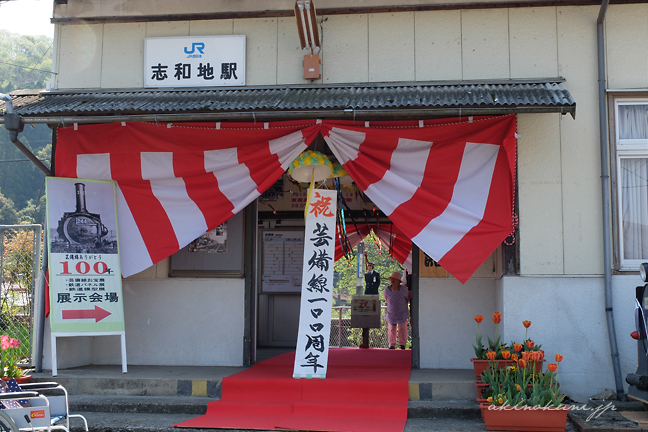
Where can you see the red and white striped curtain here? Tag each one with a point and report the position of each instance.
(446, 184)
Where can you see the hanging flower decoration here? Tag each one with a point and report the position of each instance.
(310, 165)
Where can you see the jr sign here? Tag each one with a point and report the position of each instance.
(195, 61)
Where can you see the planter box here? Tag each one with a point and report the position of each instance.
(481, 365)
(525, 418)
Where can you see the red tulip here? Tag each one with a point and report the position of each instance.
(559, 357)
(514, 357)
(506, 354)
(522, 363)
(491, 355)
(497, 317)
(525, 355)
(526, 324)
(517, 347)
(479, 318)
(552, 367)
(541, 353)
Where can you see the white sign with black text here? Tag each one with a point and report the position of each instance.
(311, 354)
(194, 61)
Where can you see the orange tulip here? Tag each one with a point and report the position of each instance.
(497, 317)
(534, 356)
(530, 344)
(491, 355)
(517, 347)
(479, 318)
(526, 324)
(506, 354)
(559, 357)
(541, 354)
(522, 363)
(525, 355)
(514, 357)
(552, 367)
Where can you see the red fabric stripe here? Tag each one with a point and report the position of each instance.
(150, 217)
(202, 188)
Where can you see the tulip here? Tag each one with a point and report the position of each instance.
(514, 357)
(541, 354)
(506, 354)
(530, 344)
(517, 347)
(479, 318)
(559, 357)
(517, 387)
(522, 363)
(491, 355)
(526, 324)
(497, 317)
(525, 355)
(552, 367)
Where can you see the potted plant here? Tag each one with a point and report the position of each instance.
(498, 354)
(9, 360)
(521, 399)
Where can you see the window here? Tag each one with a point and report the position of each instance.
(632, 181)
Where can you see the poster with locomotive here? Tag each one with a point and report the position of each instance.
(84, 271)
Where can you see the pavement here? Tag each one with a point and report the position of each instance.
(157, 397)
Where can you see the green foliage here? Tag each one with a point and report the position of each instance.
(25, 61)
(24, 64)
(520, 386)
(378, 255)
(8, 215)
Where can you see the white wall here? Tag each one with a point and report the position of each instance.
(169, 321)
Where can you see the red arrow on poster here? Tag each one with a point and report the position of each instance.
(97, 314)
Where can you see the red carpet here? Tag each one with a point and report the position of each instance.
(366, 390)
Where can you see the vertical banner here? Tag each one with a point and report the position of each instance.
(311, 354)
(84, 273)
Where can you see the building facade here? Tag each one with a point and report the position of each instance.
(556, 276)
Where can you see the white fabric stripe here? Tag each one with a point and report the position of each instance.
(96, 166)
(133, 254)
(467, 205)
(234, 179)
(184, 215)
(345, 144)
(288, 148)
(407, 168)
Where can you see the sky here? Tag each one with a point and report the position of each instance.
(27, 17)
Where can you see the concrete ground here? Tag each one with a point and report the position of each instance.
(155, 398)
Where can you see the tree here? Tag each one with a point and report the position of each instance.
(8, 215)
(26, 61)
(377, 254)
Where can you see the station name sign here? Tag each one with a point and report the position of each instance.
(201, 61)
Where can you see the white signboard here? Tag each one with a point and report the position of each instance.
(84, 273)
(194, 61)
(311, 353)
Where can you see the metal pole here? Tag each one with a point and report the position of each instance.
(605, 190)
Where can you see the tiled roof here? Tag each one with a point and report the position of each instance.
(500, 97)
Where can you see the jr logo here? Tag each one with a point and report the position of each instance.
(195, 46)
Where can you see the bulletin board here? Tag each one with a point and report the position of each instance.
(282, 254)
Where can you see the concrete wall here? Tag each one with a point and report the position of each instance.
(169, 321)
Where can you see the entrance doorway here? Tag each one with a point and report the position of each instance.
(279, 261)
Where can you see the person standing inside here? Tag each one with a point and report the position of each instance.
(397, 297)
(372, 281)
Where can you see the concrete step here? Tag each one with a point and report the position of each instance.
(155, 381)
